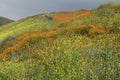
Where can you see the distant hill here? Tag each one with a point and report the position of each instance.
(4, 21)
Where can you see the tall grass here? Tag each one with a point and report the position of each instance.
(76, 47)
(75, 57)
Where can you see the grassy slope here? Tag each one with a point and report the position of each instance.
(27, 24)
(81, 45)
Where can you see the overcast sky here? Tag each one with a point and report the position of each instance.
(17, 9)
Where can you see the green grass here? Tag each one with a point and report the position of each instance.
(24, 25)
(68, 59)
(66, 55)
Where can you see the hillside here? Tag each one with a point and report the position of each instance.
(74, 45)
(4, 21)
(27, 24)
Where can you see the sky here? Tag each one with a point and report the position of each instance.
(17, 9)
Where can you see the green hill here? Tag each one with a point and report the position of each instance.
(23, 25)
(74, 45)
